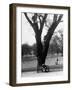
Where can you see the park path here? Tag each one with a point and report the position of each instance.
(35, 74)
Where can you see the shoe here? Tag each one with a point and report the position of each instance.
(45, 68)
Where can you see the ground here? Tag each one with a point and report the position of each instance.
(29, 64)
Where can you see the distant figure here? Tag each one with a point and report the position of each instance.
(57, 58)
(56, 62)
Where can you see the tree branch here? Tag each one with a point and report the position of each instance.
(52, 28)
(34, 18)
(55, 18)
(40, 20)
(28, 19)
(60, 17)
(42, 23)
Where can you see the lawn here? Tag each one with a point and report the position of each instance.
(29, 63)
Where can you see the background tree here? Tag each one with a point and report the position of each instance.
(56, 43)
(38, 21)
(26, 49)
(33, 47)
(61, 41)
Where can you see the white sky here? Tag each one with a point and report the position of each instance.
(28, 35)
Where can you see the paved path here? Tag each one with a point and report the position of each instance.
(35, 74)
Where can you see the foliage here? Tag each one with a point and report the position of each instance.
(26, 49)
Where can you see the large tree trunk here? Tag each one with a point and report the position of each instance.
(39, 53)
(45, 52)
(39, 50)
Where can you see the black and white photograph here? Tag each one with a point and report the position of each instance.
(42, 44)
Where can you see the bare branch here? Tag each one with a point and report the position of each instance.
(34, 18)
(40, 20)
(42, 23)
(55, 18)
(28, 19)
(45, 16)
(60, 17)
(52, 28)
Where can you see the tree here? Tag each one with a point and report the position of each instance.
(61, 41)
(26, 49)
(56, 44)
(37, 22)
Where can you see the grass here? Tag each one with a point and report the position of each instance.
(29, 63)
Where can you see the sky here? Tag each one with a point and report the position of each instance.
(28, 35)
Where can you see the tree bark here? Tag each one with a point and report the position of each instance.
(45, 52)
(39, 49)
